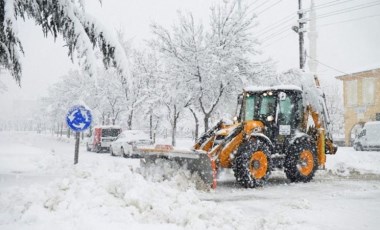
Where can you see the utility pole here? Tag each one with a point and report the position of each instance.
(300, 34)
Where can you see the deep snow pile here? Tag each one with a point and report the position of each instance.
(111, 194)
(41, 189)
(350, 163)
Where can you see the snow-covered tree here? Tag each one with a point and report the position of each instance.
(214, 63)
(74, 87)
(147, 75)
(81, 32)
(109, 94)
(334, 103)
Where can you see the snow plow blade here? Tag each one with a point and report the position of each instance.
(194, 160)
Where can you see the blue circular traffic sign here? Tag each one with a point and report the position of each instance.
(79, 118)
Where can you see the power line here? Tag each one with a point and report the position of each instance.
(322, 25)
(326, 3)
(264, 3)
(279, 22)
(269, 7)
(355, 19)
(273, 35)
(329, 4)
(277, 29)
(350, 9)
(277, 40)
(326, 65)
(280, 25)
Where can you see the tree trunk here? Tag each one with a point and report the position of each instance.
(155, 131)
(61, 132)
(129, 121)
(205, 119)
(151, 126)
(174, 126)
(196, 131)
(174, 131)
(103, 118)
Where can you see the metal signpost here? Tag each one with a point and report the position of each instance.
(78, 119)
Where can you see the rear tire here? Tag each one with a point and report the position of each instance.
(98, 149)
(88, 148)
(301, 161)
(111, 151)
(123, 153)
(358, 147)
(253, 164)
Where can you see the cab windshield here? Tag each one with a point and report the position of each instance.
(268, 105)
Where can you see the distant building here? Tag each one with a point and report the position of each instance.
(361, 92)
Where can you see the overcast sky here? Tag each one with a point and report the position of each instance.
(347, 41)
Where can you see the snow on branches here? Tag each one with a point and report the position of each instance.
(81, 32)
(210, 63)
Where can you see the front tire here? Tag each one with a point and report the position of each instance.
(123, 153)
(252, 165)
(111, 151)
(98, 149)
(301, 161)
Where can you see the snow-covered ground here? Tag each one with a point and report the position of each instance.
(41, 189)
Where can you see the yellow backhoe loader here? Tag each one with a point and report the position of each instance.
(275, 127)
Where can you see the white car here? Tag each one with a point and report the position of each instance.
(368, 138)
(127, 141)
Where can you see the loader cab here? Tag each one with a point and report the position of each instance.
(280, 109)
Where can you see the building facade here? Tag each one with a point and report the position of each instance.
(361, 92)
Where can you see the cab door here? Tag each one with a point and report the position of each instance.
(284, 114)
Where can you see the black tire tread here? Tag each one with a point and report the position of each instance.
(291, 159)
(241, 163)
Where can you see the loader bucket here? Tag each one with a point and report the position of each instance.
(193, 160)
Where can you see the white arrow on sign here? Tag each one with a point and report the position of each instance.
(81, 125)
(71, 116)
(84, 114)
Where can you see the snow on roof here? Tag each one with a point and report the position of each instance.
(276, 87)
(359, 72)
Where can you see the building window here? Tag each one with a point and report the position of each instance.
(352, 92)
(368, 91)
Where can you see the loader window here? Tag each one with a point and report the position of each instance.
(299, 111)
(250, 105)
(268, 106)
(285, 113)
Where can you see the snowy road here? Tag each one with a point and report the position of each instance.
(41, 189)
